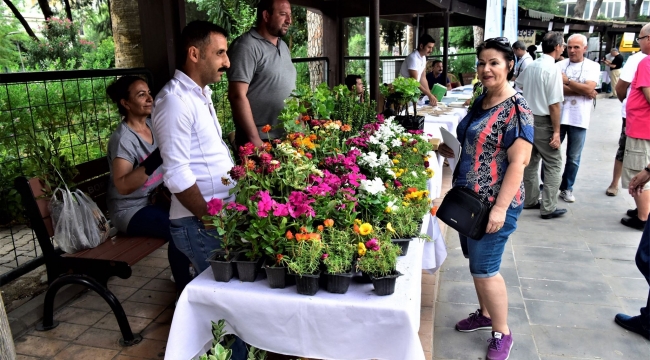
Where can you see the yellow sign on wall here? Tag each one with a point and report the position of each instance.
(628, 43)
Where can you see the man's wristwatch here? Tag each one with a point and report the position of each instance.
(647, 169)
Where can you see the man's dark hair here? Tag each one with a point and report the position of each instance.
(551, 40)
(504, 48)
(197, 34)
(119, 90)
(518, 45)
(435, 61)
(425, 39)
(264, 5)
(351, 80)
(531, 50)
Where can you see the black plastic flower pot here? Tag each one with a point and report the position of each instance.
(403, 244)
(276, 276)
(223, 270)
(411, 122)
(361, 278)
(385, 285)
(247, 269)
(338, 283)
(307, 284)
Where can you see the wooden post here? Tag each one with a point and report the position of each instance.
(374, 50)
(6, 340)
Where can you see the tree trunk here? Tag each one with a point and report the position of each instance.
(579, 10)
(6, 340)
(45, 8)
(125, 21)
(20, 18)
(634, 10)
(596, 9)
(478, 35)
(68, 10)
(627, 9)
(315, 48)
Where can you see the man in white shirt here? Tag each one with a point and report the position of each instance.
(622, 90)
(542, 88)
(523, 60)
(195, 157)
(580, 76)
(415, 64)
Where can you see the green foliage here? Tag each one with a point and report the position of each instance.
(60, 47)
(357, 47)
(236, 16)
(461, 37)
(403, 91)
(460, 64)
(305, 256)
(11, 37)
(350, 111)
(549, 6)
(392, 33)
(340, 249)
(102, 58)
(382, 262)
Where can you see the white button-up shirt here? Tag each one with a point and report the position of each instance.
(542, 85)
(190, 141)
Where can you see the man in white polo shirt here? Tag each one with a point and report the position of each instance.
(580, 76)
(195, 157)
(415, 64)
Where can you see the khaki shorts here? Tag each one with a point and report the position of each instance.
(637, 157)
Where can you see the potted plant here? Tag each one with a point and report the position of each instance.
(379, 261)
(337, 257)
(403, 92)
(228, 219)
(304, 259)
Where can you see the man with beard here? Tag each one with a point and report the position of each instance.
(415, 64)
(262, 75)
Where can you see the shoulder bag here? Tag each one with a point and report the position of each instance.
(464, 210)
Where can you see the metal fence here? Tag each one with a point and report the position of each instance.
(389, 66)
(69, 110)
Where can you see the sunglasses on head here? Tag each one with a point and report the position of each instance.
(500, 39)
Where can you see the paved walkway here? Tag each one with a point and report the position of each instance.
(566, 277)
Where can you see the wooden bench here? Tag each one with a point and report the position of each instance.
(93, 267)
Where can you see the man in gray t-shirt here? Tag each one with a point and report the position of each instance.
(261, 75)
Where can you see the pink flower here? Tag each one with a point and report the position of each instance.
(309, 156)
(215, 206)
(237, 172)
(380, 118)
(398, 184)
(372, 244)
(426, 164)
(246, 150)
(265, 203)
(324, 256)
(280, 209)
(265, 158)
(237, 207)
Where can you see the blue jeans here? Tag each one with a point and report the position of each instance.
(191, 238)
(643, 263)
(575, 142)
(485, 254)
(153, 221)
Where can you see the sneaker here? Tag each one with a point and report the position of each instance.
(475, 321)
(632, 323)
(567, 195)
(500, 346)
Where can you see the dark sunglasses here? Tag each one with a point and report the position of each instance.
(500, 39)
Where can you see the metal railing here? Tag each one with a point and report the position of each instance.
(70, 106)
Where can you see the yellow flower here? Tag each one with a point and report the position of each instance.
(388, 210)
(365, 229)
(405, 203)
(389, 227)
(429, 172)
(357, 221)
(425, 158)
(361, 249)
(395, 161)
(415, 150)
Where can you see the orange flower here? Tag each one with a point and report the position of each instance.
(320, 228)
(411, 189)
(289, 235)
(266, 146)
(356, 228)
(297, 122)
(313, 236)
(266, 128)
(250, 164)
(305, 118)
(328, 222)
(301, 237)
(303, 230)
(279, 257)
(313, 137)
(346, 127)
(434, 210)
(338, 122)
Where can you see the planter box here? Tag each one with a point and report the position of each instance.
(307, 284)
(338, 283)
(403, 244)
(385, 285)
(222, 270)
(410, 122)
(276, 276)
(247, 269)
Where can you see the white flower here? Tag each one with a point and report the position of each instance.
(414, 174)
(374, 186)
(392, 206)
(396, 143)
(390, 172)
(383, 148)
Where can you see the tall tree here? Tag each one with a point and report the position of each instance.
(46, 9)
(579, 10)
(596, 9)
(392, 33)
(68, 10)
(550, 6)
(632, 10)
(126, 34)
(20, 18)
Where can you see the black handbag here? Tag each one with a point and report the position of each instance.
(464, 210)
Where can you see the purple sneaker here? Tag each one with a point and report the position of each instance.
(500, 346)
(475, 321)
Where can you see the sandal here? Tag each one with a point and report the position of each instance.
(611, 191)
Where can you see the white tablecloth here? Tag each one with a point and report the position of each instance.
(355, 326)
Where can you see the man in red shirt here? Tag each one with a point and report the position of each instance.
(637, 145)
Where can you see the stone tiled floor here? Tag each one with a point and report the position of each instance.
(567, 278)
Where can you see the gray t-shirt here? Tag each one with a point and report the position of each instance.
(269, 73)
(128, 145)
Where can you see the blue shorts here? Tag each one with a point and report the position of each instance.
(485, 254)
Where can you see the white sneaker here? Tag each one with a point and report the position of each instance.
(567, 195)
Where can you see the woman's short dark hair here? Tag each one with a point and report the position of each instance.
(196, 33)
(351, 80)
(551, 40)
(504, 48)
(119, 90)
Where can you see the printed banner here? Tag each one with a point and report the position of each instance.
(493, 19)
(511, 22)
(527, 37)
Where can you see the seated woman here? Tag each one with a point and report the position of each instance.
(134, 160)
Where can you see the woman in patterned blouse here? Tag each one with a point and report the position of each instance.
(496, 138)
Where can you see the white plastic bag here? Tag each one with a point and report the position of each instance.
(78, 222)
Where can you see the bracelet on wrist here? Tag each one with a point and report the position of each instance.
(647, 168)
